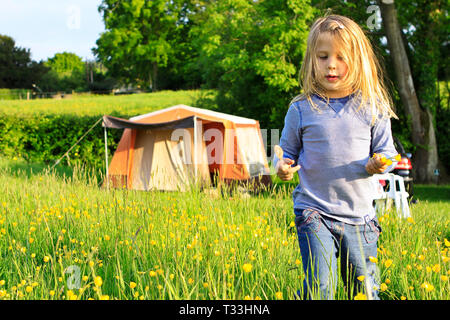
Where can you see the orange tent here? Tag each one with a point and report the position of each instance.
(170, 148)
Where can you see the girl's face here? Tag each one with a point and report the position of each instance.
(332, 69)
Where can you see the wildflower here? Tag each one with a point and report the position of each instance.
(46, 259)
(436, 268)
(152, 273)
(383, 287)
(403, 298)
(427, 286)
(98, 281)
(104, 297)
(388, 263)
(421, 257)
(190, 281)
(247, 267)
(52, 293)
(373, 259)
(279, 295)
(297, 261)
(205, 285)
(29, 289)
(447, 243)
(444, 278)
(2, 282)
(360, 296)
(133, 285)
(361, 278)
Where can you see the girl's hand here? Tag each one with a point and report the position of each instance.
(284, 170)
(377, 164)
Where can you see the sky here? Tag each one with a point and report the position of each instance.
(47, 27)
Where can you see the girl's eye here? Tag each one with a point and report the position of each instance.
(341, 58)
(323, 57)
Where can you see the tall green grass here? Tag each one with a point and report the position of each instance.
(60, 226)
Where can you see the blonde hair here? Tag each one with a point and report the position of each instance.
(365, 76)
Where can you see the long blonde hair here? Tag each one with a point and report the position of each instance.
(365, 76)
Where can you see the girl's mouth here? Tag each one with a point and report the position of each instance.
(332, 78)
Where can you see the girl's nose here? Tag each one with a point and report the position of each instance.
(331, 64)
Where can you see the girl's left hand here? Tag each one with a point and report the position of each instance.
(376, 164)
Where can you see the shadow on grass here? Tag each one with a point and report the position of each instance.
(432, 193)
(25, 169)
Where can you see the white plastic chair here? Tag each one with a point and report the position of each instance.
(399, 196)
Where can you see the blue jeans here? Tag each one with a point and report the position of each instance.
(322, 241)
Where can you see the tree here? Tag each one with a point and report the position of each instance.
(140, 37)
(422, 126)
(17, 70)
(251, 52)
(67, 73)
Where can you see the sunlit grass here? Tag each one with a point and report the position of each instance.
(57, 228)
(82, 105)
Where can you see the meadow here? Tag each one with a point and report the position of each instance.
(63, 236)
(93, 105)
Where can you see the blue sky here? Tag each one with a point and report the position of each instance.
(47, 27)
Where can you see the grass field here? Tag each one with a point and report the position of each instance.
(82, 105)
(63, 237)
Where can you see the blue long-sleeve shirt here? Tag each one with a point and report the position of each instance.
(332, 146)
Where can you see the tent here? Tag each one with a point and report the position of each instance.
(169, 149)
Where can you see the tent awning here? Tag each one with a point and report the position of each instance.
(119, 123)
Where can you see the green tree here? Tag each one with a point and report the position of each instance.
(251, 52)
(67, 73)
(17, 70)
(141, 37)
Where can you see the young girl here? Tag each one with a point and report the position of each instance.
(335, 136)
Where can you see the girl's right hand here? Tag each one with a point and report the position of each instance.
(284, 170)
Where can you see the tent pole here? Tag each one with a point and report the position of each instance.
(195, 148)
(106, 158)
